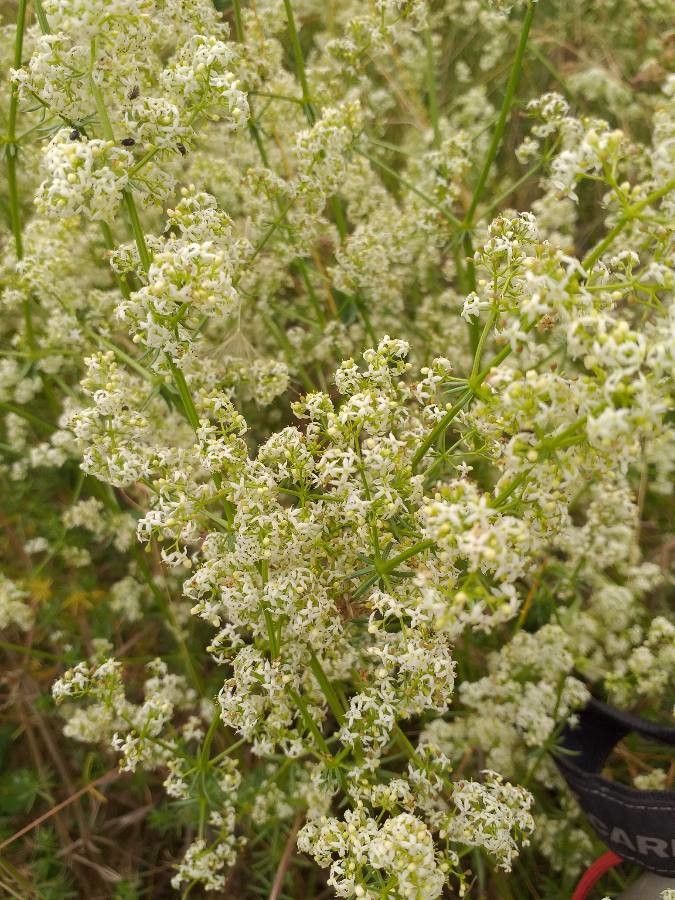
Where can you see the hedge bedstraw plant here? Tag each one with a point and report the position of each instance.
(336, 394)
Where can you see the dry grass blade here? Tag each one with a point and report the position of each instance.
(108, 777)
(285, 861)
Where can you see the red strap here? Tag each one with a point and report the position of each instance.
(594, 873)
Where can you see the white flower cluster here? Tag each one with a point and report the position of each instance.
(191, 276)
(14, 610)
(199, 75)
(400, 853)
(84, 177)
(493, 815)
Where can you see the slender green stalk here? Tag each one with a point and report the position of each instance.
(31, 651)
(493, 150)
(144, 255)
(310, 114)
(507, 102)
(142, 247)
(327, 688)
(473, 388)
(272, 638)
(254, 131)
(395, 561)
(440, 427)
(99, 102)
(480, 346)
(185, 395)
(11, 148)
(205, 750)
(110, 244)
(410, 186)
(11, 157)
(289, 352)
(499, 199)
(27, 415)
(631, 213)
(41, 17)
(137, 229)
(270, 231)
(235, 746)
(432, 88)
(123, 356)
(513, 485)
(142, 161)
(571, 435)
(238, 21)
(284, 97)
(13, 191)
(310, 724)
(498, 359)
(170, 619)
(402, 740)
(127, 195)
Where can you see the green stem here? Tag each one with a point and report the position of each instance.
(99, 102)
(31, 651)
(410, 186)
(498, 359)
(469, 284)
(493, 150)
(273, 638)
(270, 231)
(327, 688)
(439, 428)
(631, 213)
(395, 561)
(11, 149)
(141, 246)
(137, 229)
(238, 21)
(432, 90)
(127, 195)
(310, 724)
(509, 489)
(11, 156)
(566, 438)
(170, 620)
(277, 332)
(205, 751)
(507, 102)
(402, 740)
(124, 357)
(467, 397)
(41, 17)
(142, 161)
(310, 115)
(27, 415)
(185, 395)
(289, 352)
(109, 241)
(235, 746)
(480, 346)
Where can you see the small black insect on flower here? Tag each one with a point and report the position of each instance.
(181, 149)
(128, 142)
(134, 92)
(75, 134)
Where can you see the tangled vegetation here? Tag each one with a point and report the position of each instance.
(336, 367)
